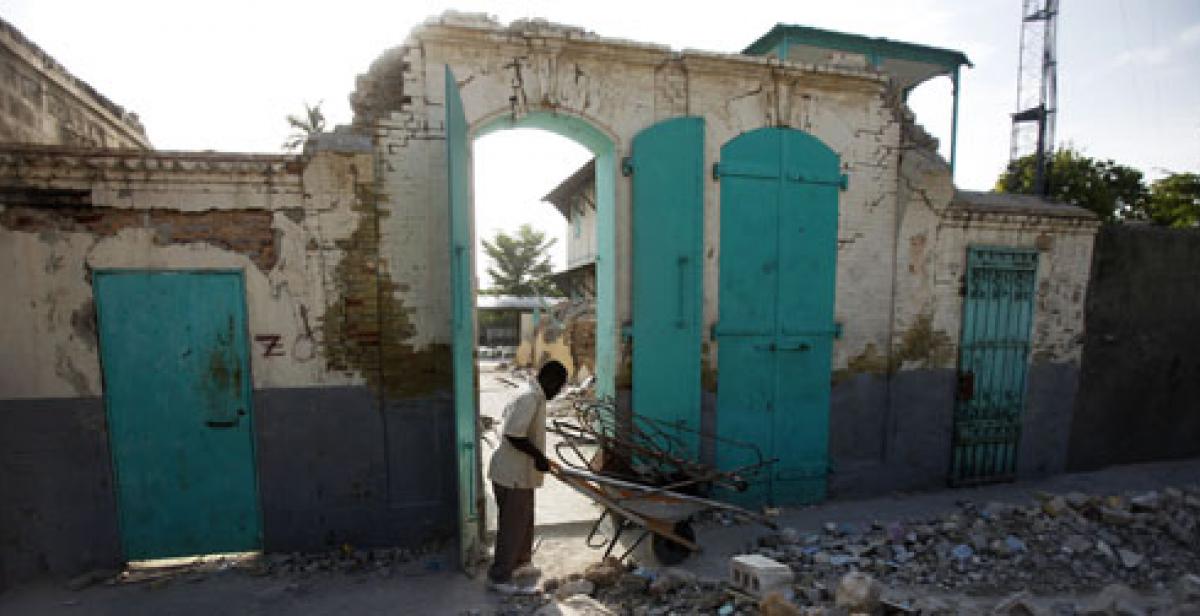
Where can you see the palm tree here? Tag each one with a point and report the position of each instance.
(304, 128)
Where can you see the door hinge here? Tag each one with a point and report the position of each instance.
(627, 166)
(716, 171)
(842, 181)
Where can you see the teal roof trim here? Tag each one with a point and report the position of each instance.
(872, 47)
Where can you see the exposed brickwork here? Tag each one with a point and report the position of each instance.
(367, 329)
(246, 232)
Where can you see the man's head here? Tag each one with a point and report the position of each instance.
(552, 377)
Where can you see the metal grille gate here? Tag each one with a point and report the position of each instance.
(993, 363)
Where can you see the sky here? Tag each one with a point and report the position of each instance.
(223, 74)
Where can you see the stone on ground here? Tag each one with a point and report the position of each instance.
(1187, 589)
(579, 605)
(1116, 599)
(571, 588)
(604, 574)
(858, 592)
(1018, 604)
(671, 579)
(775, 604)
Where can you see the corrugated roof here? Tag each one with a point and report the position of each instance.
(908, 62)
(561, 194)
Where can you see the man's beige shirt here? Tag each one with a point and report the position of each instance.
(524, 416)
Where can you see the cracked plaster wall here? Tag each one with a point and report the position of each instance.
(901, 244)
(620, 88)
(280, 224)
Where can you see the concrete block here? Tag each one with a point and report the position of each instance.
(759, 575)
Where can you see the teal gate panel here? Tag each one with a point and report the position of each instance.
(668, 242)
(173, 347)
(778, 267)
(462, 321)
(993, 363)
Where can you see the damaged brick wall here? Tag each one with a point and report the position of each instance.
(245, 232)
(65, 212)
(367, 329)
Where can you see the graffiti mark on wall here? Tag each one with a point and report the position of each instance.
(271, 345)
(303, 348)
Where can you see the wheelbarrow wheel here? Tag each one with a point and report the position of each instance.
(668, 552)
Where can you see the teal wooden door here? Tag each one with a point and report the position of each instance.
(462, 321)
(668, 242)
(177, 390)
(992, 363)
(778, 267)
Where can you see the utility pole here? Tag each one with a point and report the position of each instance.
(1037, 96)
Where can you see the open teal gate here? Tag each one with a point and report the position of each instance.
(993, 362)
(778, 260)
(668, 243)
(173, 348)
(462, 323)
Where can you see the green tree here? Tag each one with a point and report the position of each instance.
(520, 263)
(303, 128)
(1175, 200)
(1113, 191)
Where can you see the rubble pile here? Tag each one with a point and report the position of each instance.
(1071, 553)
(630, 589)
(1060, 543)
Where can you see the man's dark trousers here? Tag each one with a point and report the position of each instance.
(514, 531)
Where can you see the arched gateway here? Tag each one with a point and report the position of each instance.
(654, 120)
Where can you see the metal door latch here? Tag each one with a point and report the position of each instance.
(226, 423)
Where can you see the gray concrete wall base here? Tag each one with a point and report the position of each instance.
(890, 433)
(1046, 430)
(895, 434)
(58, 514)
(333, 469)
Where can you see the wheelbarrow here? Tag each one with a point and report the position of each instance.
(659, 512)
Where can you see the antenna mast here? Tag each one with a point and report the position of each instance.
(1037, 96)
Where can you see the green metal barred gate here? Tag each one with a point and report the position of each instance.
(993, 363)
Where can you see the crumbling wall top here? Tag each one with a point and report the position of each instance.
(12, 39)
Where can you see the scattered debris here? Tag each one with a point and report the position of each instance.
(570, 588)
(578, 605)
(1061, 554)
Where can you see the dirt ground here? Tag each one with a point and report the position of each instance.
(430, 584)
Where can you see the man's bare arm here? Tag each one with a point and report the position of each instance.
(526, 446)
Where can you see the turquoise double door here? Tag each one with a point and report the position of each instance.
(777, 271)
(778, 264)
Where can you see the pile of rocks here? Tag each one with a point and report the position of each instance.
(1059, 543)
(630, 589)
(1069, 553)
